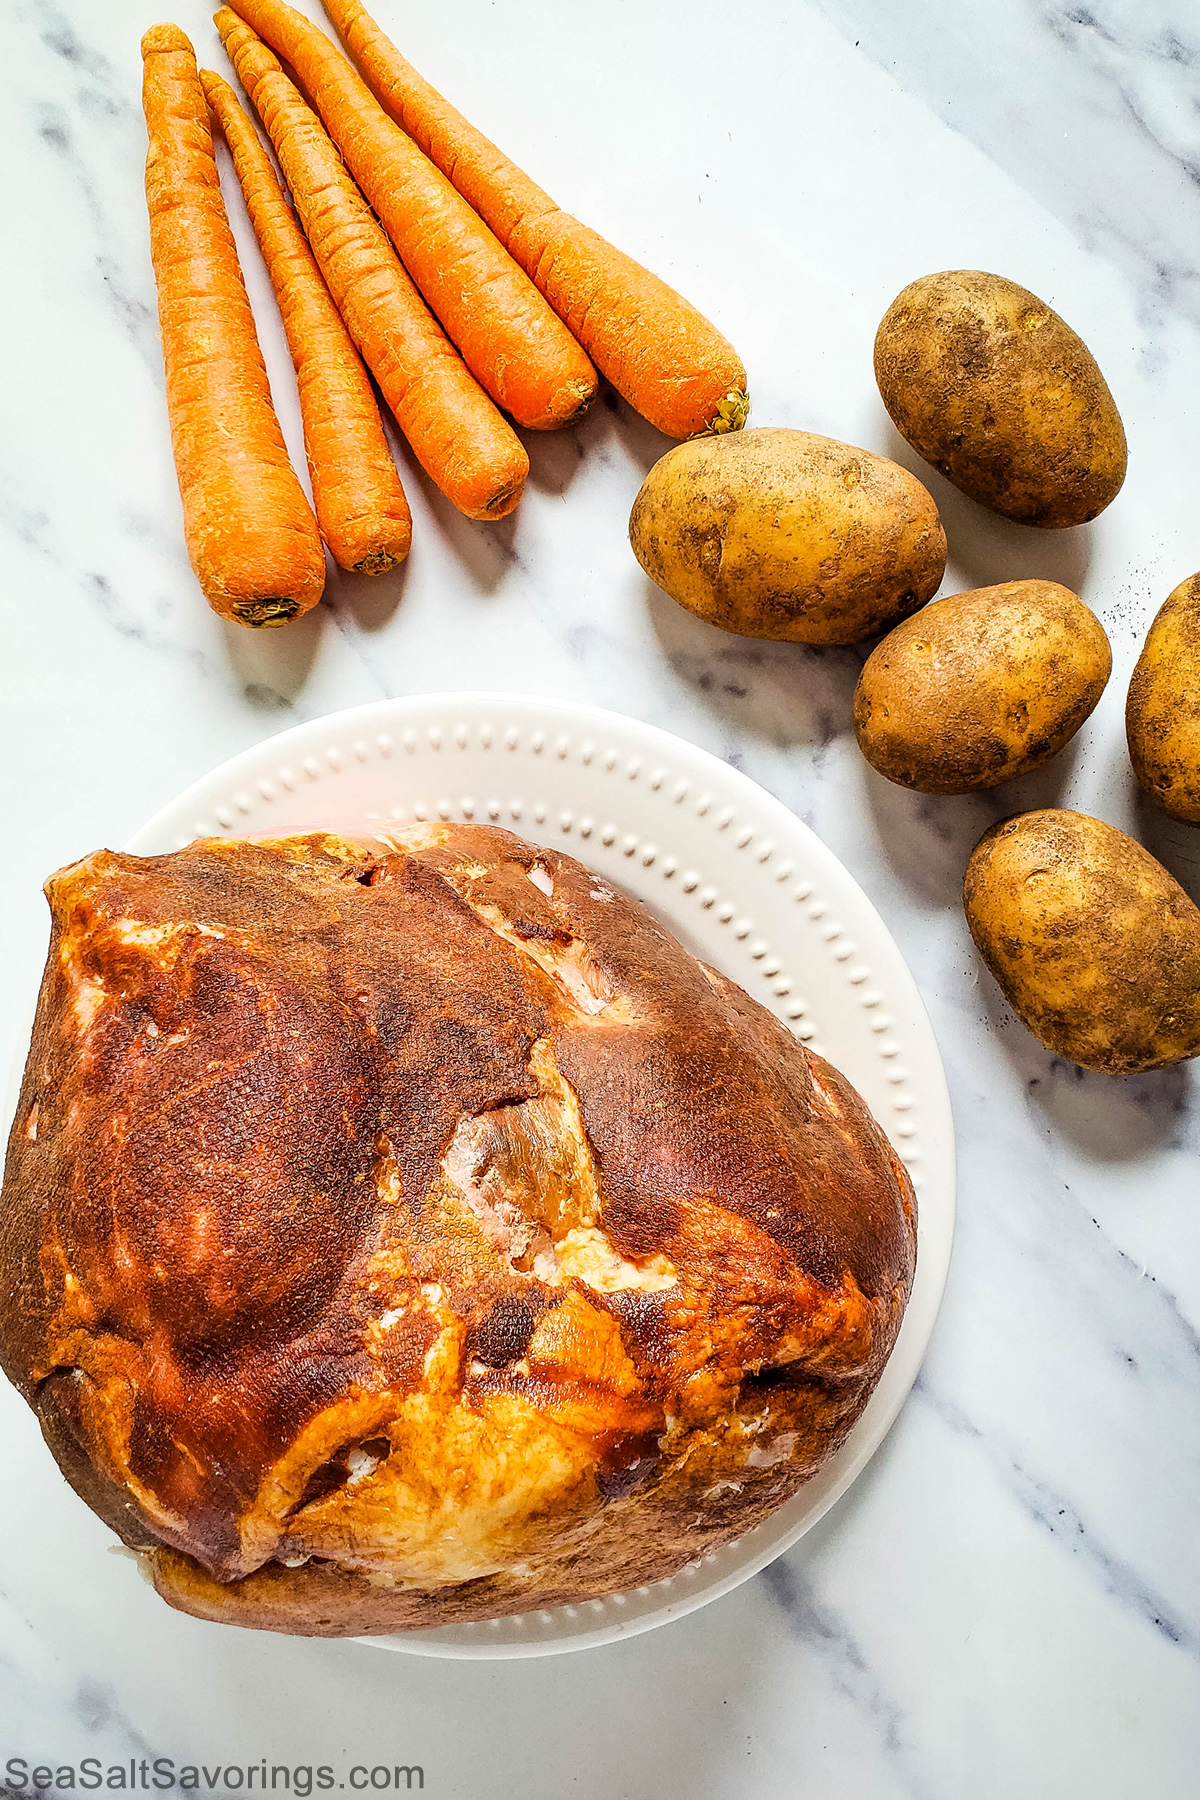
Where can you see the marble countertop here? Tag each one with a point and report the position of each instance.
(1008, 1601)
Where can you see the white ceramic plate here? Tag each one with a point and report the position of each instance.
(738, 879)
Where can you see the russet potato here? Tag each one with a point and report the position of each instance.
(1162, 713)
(783, 534)
(1096, 946)
(980, 687)
(989, 385)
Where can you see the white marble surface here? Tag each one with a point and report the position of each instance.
(1008, 1603)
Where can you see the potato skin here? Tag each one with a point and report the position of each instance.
(782, 534)
(1162, 713)
(1095, 945)
(980, 687)
(989, 385)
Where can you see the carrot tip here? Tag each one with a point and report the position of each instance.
(731, 415)
(164, 37)
(273, 609)
(501, 504)
(377, 562)
(583, 393)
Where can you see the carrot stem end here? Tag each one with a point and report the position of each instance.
(730, 415)
(270, 609)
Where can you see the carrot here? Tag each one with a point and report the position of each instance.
(457, 435)
(359, 502)
(659, 352)
(250, 532)
(508, 337)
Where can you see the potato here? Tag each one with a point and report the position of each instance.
(999, 394)
(1095, 945)
(1162, 714)
(981, 687)
(780, 534)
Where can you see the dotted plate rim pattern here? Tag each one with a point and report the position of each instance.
(552, 765)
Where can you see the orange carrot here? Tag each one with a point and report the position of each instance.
(250, 532)
(457, 435)
(508, 337)
(360, 504)
(660, 354)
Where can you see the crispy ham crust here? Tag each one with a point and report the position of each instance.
(410, 1230)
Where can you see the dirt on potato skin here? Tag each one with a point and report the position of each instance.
(1095, 946)
(1162, 712)
(775, 533)
(992, 387)
(979, 688)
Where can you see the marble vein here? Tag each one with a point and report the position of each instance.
(1132, 188)
(833, 1642)
(1057, 1514)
